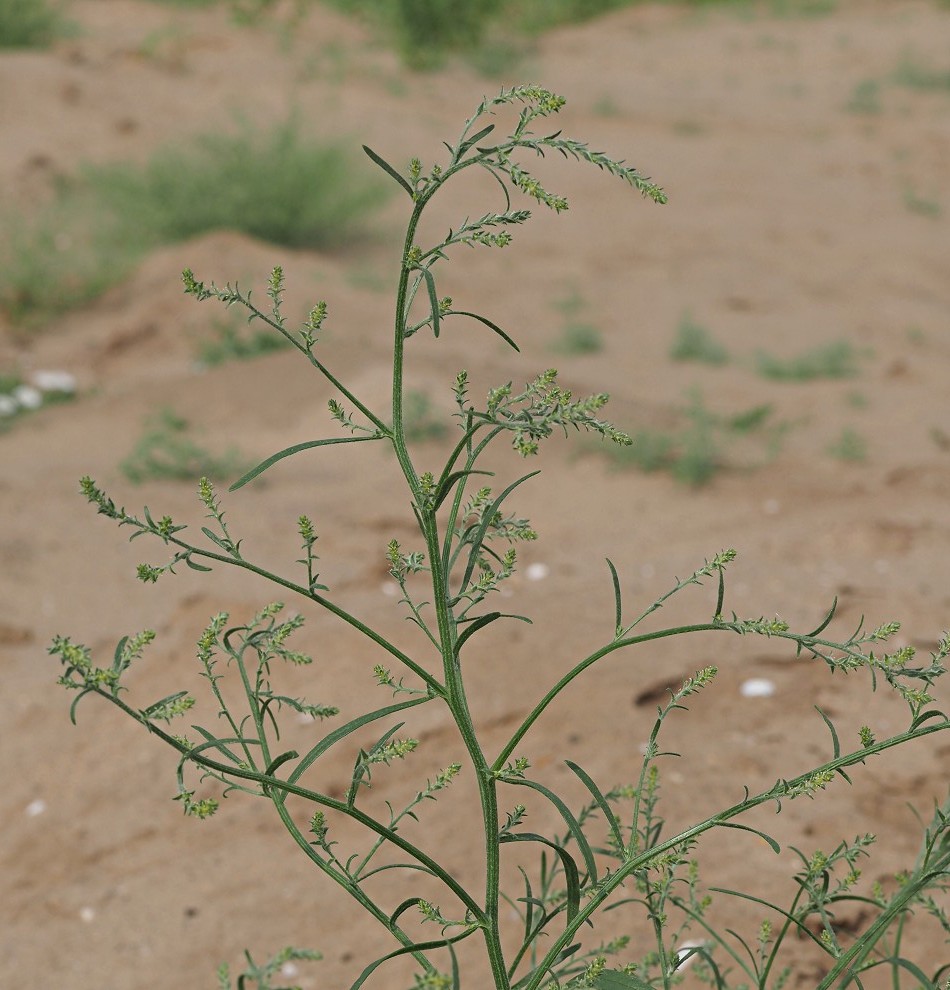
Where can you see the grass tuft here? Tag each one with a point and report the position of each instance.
(695, 343)
(166, 452)
(30, 24)
(277, 186)
(837, 359)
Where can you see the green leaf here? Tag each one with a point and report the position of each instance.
(776, 848)
(474, 139)
(488, 323)
(344, 730)
(618, 624)
(483, 527)
(433, 301)
(615, 979)
(446, 484)
(571, 874)
(826, 620)
(287, 452)
(572, 824)
(602, 803)
(386, 167)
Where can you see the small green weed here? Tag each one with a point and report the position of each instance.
(577, 336)
(922, 205)
(422, 423)
(695, 452)
(837, 359)
(866, 98)
(166, 452)
(231, 344)
(695, 343)
(849, 446)
(278, 186)
(30, 23)
(913, 73)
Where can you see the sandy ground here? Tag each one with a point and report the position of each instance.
(793, 221)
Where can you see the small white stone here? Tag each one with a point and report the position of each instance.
(54, 381)
(757, 687)
(28, 397)
(390, 588)
(87, 914)
(8, 405)
(771, 506)
(537, 572)
(289, 970)
(35, 808)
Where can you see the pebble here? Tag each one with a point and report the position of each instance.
(537, 572)
(757, 687)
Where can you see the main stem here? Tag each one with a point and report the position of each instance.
(455, 688)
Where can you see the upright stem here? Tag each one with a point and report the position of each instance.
(447, 633)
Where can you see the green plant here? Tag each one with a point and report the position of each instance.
(925, 206)
(695, 343)
(278, 186)
(420, 420)
(837, 359)
(866, 98)
(915, 74)
(166, 452)
(29, 23)
(614, 847)
(696, 451)
(231, 344)
(849, 446)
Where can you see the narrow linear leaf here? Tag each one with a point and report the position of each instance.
(483, 620)
(213, 742)
(447, 484)
(572, 824)
(826, 620)
(433, 301)
(72, 708)
(602, 802)
(474, 139)
(406, 904)
(389, 170)
(291, 754)
(483, 528)
(344, 730)
(571, 874)
(194, 566)
(618, 624)
(776, 848)
(287, 452)
(722, 594)
(476, 624)
(836, 745)
(488, 323)
(410, 950)
(925, 716)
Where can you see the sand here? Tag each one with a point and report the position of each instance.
(794, 221)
